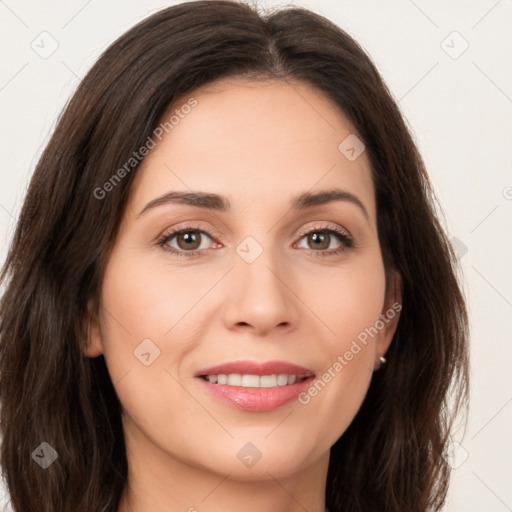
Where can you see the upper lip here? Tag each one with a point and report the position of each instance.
(255, 368)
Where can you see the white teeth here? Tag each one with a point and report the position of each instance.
(268, 381)
(234, 379)
(282, 379)
(250, 381)
(253, 381)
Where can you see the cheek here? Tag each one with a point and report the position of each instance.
(143, 299)
(140, 311)
(134, 316)
(349, 301)
(149, 315)
(350, 304)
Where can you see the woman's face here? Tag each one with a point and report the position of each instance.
(258, 274)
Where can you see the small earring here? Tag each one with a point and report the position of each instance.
(382, 360)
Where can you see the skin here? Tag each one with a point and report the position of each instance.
(259, 143)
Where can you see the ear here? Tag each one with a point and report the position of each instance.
(390, 315)
(94, 344)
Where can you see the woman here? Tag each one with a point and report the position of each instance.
(301, 353)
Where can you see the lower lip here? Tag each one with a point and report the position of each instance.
(256, 399)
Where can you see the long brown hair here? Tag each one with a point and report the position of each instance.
(393, 455)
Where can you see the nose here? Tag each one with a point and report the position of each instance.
(260, 297)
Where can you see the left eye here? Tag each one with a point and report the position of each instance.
(322, 239)
(188, 240)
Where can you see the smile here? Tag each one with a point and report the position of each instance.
(253, 381)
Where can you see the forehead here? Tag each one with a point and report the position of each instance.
(255, 142)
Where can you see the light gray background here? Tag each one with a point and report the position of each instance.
(460, 112)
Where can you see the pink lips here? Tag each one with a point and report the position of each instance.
(256, 399)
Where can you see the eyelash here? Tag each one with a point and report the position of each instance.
(344, 238)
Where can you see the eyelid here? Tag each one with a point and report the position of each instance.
(326, 225)
(209, 231)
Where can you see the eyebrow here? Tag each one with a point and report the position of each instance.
(211, 201)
